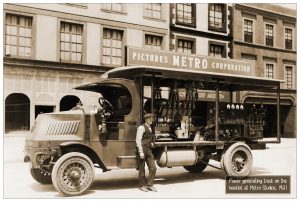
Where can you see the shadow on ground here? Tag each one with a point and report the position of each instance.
(162, 178)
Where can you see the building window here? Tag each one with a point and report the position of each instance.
(18, 35)
(270, 71)
(185, 14)
(112, 46)
(288, 38)
(269, 33)
(71, 42)
(288, 77)
(248, 31)
(117, 7)
(153, 10)
(217, 50)
(153, 42)
(185, 46)
(217, 17)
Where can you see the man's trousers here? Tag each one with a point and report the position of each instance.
(149, 159)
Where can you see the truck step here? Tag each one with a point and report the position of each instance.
(127, 162)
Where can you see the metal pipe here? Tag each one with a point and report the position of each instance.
(217, 114)
(141, 99)
(278, 115)
(152, 94)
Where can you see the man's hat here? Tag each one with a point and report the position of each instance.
(148, 115)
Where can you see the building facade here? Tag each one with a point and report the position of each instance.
(51, 48)
(202, 29)
(266, 35)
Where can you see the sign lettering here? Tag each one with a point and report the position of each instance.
(169, 59)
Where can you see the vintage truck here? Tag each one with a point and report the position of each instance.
(63, 148)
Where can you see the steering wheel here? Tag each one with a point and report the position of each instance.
(105, 105)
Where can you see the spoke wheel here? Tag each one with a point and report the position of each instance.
(197, 168)
(73, 174)
(40, 175)
(237, 160)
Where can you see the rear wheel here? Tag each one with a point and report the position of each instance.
(73, 174)
(199, 167)
(237, 160)
(40, 175)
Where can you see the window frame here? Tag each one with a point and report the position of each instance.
(151, 17)
(154, 34)
(224, 19)
(224, 52)
(193, 40)
(265, 36)
(193, 16)
(274, 70)
(292, 40)
(253, 30)
(292, 76)
(83, 46)
(123, 8)
(123, 30)
(33, 35)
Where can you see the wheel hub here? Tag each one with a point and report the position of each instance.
(74, 175)
(238, 162)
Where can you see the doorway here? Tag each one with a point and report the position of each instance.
(41, 109)
(17, 112)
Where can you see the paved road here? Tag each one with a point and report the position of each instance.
(171, 183)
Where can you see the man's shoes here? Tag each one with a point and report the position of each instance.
(151, 188)
(144, 188)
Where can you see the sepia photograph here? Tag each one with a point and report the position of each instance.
(162, 100)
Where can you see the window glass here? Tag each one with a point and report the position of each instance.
(18, 35)
(71, 42)
(112, 46)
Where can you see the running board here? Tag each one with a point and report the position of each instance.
(127, 162)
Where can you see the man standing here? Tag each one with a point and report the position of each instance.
(144, 141)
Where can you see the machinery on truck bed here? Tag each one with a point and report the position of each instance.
(64, 147)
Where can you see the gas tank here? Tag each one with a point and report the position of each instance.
(178, 157)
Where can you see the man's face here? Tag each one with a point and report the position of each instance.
(149, 120)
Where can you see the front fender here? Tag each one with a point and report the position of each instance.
(73, 146)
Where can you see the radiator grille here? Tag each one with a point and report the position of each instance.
(63, 128)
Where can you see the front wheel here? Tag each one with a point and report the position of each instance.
(73, 174)
(199, 167)
(237, 160)
(40, 175)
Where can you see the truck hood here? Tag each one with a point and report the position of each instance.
(60, 126)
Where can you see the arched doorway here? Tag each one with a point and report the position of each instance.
(68, 102)
(17, 112)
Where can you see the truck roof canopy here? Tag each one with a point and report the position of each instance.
(206, 80)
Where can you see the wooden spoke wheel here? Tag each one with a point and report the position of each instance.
(73, 174)
(237, 160)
